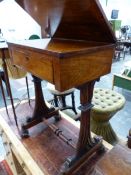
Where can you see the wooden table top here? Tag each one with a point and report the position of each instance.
(62, 47)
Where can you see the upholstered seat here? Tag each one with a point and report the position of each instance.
(106, 104)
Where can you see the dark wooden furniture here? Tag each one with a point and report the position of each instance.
(26, 157)
(78, 51)
(117, 161)
(4, 53)
(2, 78)
(43, 153)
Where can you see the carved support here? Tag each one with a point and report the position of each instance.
(41, 110)
(40, 104)
(86, 146)
(85, 141)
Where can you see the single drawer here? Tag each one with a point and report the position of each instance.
(38, 64)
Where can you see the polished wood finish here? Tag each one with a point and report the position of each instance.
(65, 63)
(80, 50)
(71, 19)
(41, 110)
(44, 152)
(117, 161)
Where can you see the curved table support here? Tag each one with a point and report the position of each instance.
(86, 145)
(41, 110)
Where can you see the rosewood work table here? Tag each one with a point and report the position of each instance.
(77, 49)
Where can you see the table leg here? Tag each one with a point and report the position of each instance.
(41, 110)
(3, 94)
(86, 145)
(8, 83)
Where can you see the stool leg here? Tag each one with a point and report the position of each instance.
(63, 98)
(3, 94)
(73, 102)
(56, 101)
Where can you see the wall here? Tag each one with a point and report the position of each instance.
(15, 22)
(124, 8)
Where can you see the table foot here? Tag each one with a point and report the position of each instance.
(74, 163)
(24, 133)
(36, 119)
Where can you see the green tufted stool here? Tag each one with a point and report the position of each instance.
(106, 104)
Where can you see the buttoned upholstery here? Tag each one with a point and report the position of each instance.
(106, 103)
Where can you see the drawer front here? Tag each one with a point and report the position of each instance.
(36, 63)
